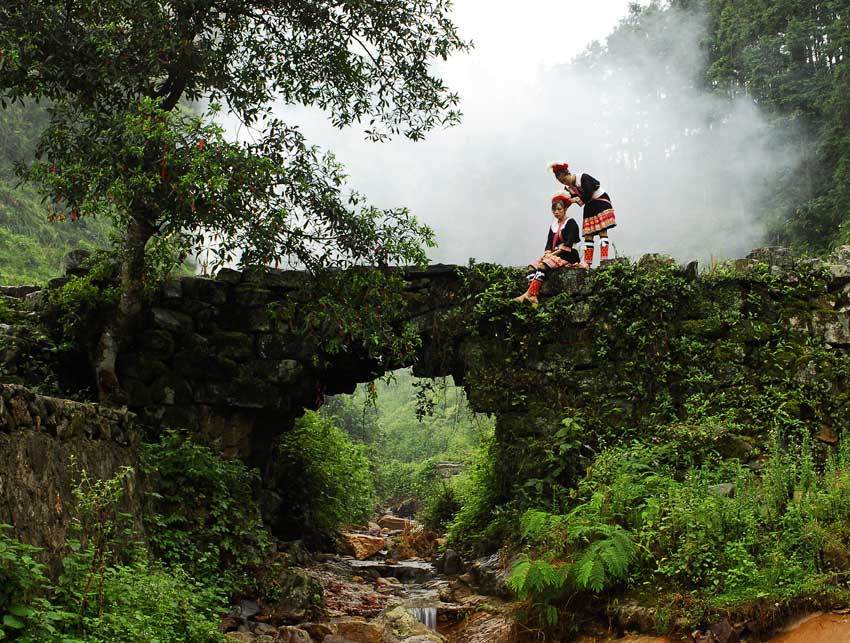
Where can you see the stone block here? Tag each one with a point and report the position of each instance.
(157, 344)
(233, 345)
(779, 256)
(171, 320)
(250, 294)
(205, 289)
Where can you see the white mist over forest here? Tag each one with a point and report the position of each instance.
(686, 168)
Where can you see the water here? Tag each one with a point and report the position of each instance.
(426, 615)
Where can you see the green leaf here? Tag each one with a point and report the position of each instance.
(13, 622)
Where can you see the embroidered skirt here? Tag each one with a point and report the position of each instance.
(598, 216)
(560, 259)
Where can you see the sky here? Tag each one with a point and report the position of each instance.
(483, 185)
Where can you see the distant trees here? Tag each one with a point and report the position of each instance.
(793, 57)
(119, 145)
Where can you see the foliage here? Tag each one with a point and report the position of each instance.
(793, 59)
(26, 613)
(119, 146)
(30, 247)
(322, 476)
(101, 533)
(205, 517)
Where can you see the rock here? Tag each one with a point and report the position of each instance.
(654, 261)
(402, 623)
(449, 563)
(486, 627)
(317, 631)
(393, 522)
(300, 598)
(265, 638)
(827, 435)
(289, 634)
(407, 508)
(773, 256)
(723, 489)
(18, 292)
(72, 263)
(488, 576)
(723, 632)
(246, 609)
(359, 630)
(336, 639)
(239, 636)
(362, 546)
(265, 628)
(690, 271)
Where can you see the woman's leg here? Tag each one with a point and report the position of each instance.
(588, 250)
(603, 246)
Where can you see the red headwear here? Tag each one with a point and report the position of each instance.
(559, 166)
(562, 196)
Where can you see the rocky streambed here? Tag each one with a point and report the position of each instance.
(391, 587)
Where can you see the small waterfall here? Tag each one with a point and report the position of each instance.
(426, 615)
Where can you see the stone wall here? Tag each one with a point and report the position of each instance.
(38, 438)
(211, 357)
(625, 346)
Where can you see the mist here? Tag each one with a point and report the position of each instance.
(686, 169)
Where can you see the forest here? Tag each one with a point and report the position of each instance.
(708, 487)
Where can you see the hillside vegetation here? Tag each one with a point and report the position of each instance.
(32, 246)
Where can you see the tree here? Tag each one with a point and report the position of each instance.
(120, 145)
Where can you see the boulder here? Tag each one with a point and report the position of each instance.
(289, 634)
(72, 263)
(449, 563)
(359, 630)
(362, 546)
(394, 522)
(300, 598)
(407, 508)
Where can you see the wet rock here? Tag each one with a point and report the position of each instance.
(449, 563)
(488, 576)
(402, 624)
(362, 546)
(394, 522)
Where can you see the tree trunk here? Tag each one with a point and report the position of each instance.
(118, 328)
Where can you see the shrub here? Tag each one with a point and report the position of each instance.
(323, 477)
(205, 519)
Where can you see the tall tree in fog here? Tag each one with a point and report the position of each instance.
(119, 145)
(793, 57)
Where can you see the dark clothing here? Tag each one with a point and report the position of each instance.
(598, 212)
(569, 236)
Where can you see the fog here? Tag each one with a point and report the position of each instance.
(686, 169)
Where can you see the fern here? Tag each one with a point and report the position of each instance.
(537, 579)
(534, 524)
(605, 561)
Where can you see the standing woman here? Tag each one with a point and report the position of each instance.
(598, 211)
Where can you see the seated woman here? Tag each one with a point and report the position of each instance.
(560, 249)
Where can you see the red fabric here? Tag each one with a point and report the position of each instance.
(557, 167)
(603, 252)
(534, 287)
(588, 255)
